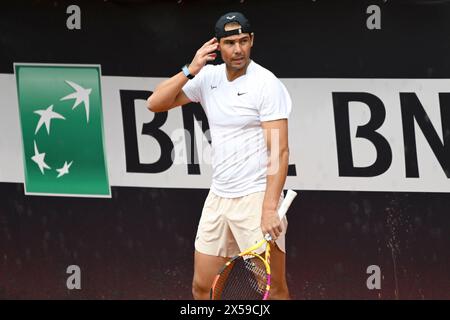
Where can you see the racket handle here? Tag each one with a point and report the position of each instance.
(290, 195)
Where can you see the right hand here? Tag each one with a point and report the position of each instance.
(204, 54)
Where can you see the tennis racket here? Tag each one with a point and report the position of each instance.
(247, 275)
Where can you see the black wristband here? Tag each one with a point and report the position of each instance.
(187, 72)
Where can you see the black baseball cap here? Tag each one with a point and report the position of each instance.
(232, 17)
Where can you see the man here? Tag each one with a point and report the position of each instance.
(247, 109)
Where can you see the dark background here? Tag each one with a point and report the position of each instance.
(139, 244)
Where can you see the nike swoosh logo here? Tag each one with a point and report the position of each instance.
(241, 93)
(232, 17)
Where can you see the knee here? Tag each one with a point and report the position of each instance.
(200, 291)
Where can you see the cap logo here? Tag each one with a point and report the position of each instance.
(232, 17)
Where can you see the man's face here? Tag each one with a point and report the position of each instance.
(235, 50)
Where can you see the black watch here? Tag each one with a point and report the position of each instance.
(187, 72)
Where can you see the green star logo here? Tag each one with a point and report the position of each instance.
(60, 109)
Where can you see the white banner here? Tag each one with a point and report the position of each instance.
(387, 114)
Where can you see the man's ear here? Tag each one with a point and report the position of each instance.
(252, 38)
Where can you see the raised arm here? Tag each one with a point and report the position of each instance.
(168, 94)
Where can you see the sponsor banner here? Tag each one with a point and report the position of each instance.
(345, 134)
(61, 119)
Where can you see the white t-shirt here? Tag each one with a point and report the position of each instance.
(235, 110)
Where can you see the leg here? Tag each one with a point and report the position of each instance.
(206, 268)
(279, 289)
(247, 233)
(213, 243)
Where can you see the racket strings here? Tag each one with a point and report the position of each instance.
(244, 279)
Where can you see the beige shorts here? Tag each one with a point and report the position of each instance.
(228, 226)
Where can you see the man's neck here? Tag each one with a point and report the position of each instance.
(233, 74)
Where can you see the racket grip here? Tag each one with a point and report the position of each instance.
(290, 195)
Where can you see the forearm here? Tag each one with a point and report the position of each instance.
(165, 93)
(276, 178)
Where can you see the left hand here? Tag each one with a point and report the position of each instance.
(271, 224)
